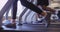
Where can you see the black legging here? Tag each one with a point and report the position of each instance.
(14, 9)
(26, 4)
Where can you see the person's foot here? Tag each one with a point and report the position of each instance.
(11, 25)
(39, 20)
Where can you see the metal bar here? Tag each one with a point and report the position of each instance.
(4, 9)
(20, 17)
(7, 12)
(47, 18)
(27, 15)
(6, 16)
(33, 17)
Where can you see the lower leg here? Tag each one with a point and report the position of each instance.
(14, 11)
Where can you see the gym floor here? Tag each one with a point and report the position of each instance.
(36, 28)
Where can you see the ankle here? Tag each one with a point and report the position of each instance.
(13, 21)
